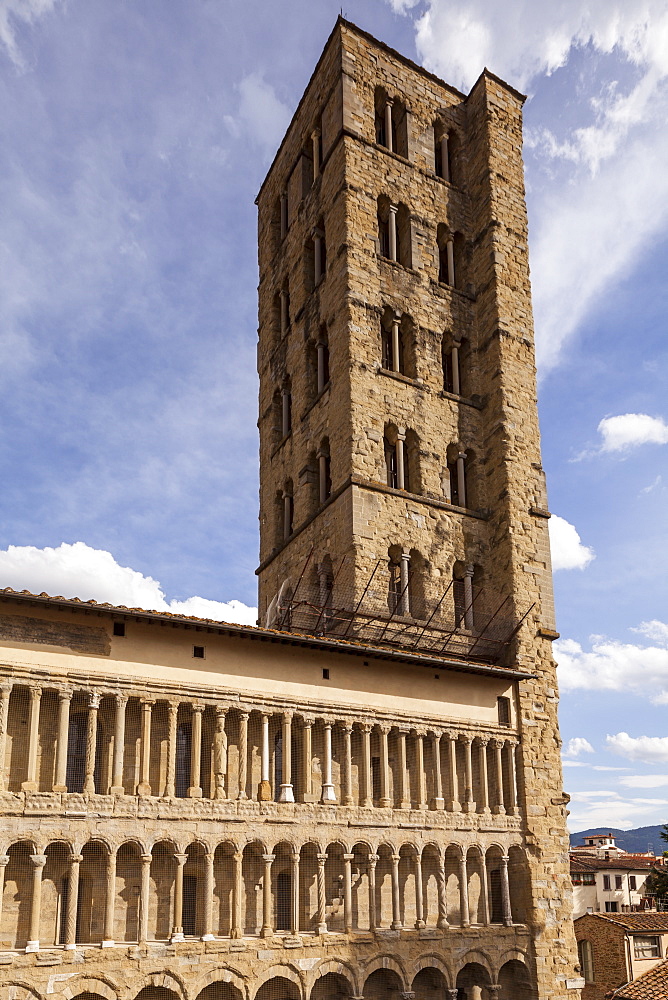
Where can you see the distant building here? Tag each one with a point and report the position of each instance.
(614, 885)
(615, 949)
(652, 985)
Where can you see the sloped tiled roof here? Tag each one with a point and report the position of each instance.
(649, 920)
(603, 864)
(652, 985)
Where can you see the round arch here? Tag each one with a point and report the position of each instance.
(219, 990)
(287, 972)
(89, 986)
(331, 986)
(287, 987)
(431, 961)
(221, 975)
(515, 981)
(164, 981)
(475, 957)
(330, 965)
(381, 983)
(386, 962)
(18, 991)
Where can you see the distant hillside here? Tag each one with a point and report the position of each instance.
(634, 841)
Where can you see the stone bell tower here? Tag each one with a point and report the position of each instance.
(400, 469)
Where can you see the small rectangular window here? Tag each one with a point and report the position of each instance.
(325, 673)
(119, 628)
(503, 708)
(611, 907)
(618, 881)
(647, 946)
(632, 883)
(198, 652)
(606, 883)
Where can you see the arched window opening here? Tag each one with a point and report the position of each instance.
(445, 146)
(459, 481)
(412, 476)
(322, 360)
(286, 409)
(466, 589)
(406, 578)
(288, 510)
(397, 343)
(394, 231)
(391, 123)
(417, 578)
(324, 472)
(447, 271)
(307, 167)
(455, 358)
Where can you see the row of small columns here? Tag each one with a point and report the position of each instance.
(39, 860)
(327, 794)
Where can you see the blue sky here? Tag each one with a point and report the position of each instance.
(134, 139)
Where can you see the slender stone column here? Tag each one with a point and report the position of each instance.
(31, 783)
(468, 594)
(347, 790)
(419, 908)
(445, 157)
(373, 919)
(328, 793)
(70, 935)
(323, 458)
(366, 782)
(317, 256)
(396, 924)
(461, 501)
(195, 789)
(307, 763)
(144, 898)
(177, 930)
(388, 124)
(117, 787)
(463, 894)
(108, 940)
(64, 700)
(144, 787)
(505, 893)
(4, 861)
(484, 777)
(236, 930)
(513, 809)
(404, 573)
(287, 514)
(392, 231)
(385, 801)
(287, 793)
(438, 801)
(322, 899)
(220, 753)
(469, 804)
(315, 144)
(243, 754)
(170, 784)
(294, 922)
(322, 381)
(284, 214)
(267, 929)
(91, 743)
(421, 775)
(264, 790)
(404, 791)
(455, 804)
(208, 934)
(499, 808)
(442, 921)
(38, 861)
(450, 254)
(347, 893)
(285, 310)
(484, 890)
(454, 362)
(396, 350)
(5, 692)
(400, 450)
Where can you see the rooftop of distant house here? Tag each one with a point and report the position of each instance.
(648, 920)
(652, 985)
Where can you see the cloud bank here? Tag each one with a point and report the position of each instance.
(568, 552)
(630, 430)
(77, 570)
(611, 665)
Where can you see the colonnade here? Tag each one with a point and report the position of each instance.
(100, 894)
(95, 741)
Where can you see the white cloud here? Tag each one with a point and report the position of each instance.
(568, 552)
(629, 430)
(654, 630)
(609, 808)
(611, 665)
(578, 745)
(261, 115)
(648, 749)
(614, 154)
(77, 570)
(12, 11)
(644, 780)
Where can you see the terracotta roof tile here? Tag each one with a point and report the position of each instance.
(602, 864)
(650, 920)
(652, 985)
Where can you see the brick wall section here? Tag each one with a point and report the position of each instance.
(609, 952)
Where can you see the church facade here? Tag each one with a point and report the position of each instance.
(361, 797)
